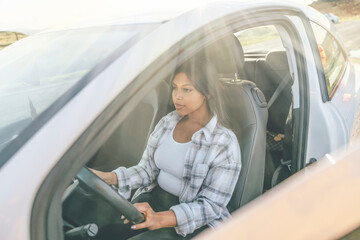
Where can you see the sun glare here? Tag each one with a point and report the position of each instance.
(42, 14)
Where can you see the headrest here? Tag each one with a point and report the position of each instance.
(277, 60)
(226, 54)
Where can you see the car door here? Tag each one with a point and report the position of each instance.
(142, 78)
(126, 101)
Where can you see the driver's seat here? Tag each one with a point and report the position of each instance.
(246, 108)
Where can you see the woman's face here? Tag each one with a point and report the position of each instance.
(186, 98)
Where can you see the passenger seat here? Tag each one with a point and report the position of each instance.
(268, 74)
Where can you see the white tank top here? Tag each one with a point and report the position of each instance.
(170, 159)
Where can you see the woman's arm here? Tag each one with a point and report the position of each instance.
(108, 177)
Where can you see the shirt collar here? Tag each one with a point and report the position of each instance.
(207, 129)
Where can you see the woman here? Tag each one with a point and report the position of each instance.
(190, 166)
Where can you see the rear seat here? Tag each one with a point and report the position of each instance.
(267, 73)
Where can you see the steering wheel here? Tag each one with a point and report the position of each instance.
(92, 182)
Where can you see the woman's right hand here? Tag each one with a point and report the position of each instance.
(108, 177)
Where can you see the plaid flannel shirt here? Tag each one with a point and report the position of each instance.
(211, 170)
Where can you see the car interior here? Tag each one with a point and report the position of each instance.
(258, 101)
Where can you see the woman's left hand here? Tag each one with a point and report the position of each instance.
(154, 220)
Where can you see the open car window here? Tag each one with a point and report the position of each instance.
(121, 131)
(125, 145)
(261, 39)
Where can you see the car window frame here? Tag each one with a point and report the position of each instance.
(46, 218)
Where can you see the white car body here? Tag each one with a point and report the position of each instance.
(23, 174)
(319, 205)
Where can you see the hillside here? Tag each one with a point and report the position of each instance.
(7, 38)
(345, 9)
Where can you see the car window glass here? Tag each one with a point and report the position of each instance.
(36, 71)
(332, 57)
(260, 39)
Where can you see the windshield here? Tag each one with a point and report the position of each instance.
(38, 70)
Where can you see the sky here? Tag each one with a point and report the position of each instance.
(29, 15)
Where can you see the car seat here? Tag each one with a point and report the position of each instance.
(278, 73)
(246, 108)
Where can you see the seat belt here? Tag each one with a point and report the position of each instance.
(279, 90)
